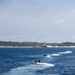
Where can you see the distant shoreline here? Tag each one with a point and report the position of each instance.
(10, 44)
(14, 47)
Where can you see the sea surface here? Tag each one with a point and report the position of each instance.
(20, 61)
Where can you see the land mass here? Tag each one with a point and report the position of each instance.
(35, 44)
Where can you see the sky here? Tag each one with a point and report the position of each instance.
(37, 20)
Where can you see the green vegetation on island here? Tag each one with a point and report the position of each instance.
(34, 44)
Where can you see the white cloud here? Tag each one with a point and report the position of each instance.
(60, 21)
(73, 37)
(36, 20)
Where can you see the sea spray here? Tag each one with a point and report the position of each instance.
(29, 70)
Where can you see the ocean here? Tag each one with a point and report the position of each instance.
(21, 61)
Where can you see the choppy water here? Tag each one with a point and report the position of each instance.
(20, 61)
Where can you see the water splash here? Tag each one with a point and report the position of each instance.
(29, 70)
(58, 54)
(66, 52)
(55, 54)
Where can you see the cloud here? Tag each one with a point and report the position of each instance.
(37, 20)
(51, 39)
(13, 38)
(73, 37)
(60, 22)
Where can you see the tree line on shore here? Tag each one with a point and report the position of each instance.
(10, 43)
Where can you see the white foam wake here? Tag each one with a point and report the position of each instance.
(66, 52)
(55, 54)
(58, 54)
(46, 64)
(29, 70)
(48, 56)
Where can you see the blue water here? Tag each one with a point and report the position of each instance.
(20, 61)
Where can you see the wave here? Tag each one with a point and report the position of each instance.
(51, 55)
(48, 56)
(29, 70)
(67, 52)
(58, 54)
(46, 64)
(55, 54)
